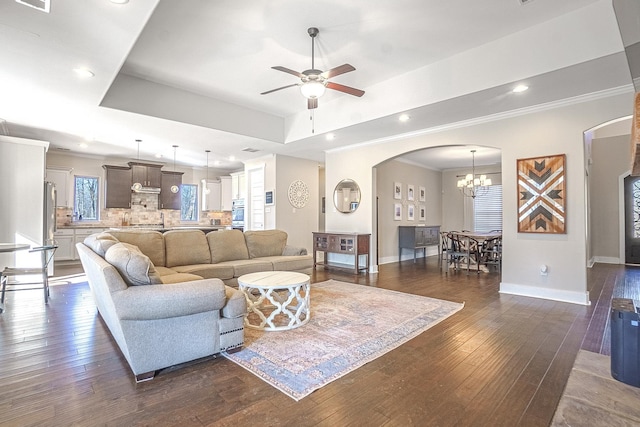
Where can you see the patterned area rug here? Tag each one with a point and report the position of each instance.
(350, 325)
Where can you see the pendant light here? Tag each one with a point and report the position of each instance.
(174, 188)
(136, 185)
(473, 185)
(205, 181)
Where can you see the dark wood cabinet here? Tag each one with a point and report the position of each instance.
(169, 200)
(355, 244)
(417, 237)
(147, 174)
(117, 187)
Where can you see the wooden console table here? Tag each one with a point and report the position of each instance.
(342, 243)
(417, 237)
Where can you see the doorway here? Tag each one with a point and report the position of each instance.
(632, 220)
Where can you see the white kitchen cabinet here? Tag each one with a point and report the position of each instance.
(61, 178)
(226, 193)
(65, 241)
(238, 185)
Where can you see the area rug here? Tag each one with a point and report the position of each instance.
(350, 325)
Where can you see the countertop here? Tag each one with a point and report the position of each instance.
(145, 227)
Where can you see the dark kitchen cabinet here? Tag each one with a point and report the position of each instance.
(147, 174)
(169, 200)
(117, 187)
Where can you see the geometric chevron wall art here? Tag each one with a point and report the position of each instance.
(542, 195)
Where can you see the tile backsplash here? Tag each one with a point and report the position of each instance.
(144, 210)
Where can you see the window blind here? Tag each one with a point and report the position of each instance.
(487, 209)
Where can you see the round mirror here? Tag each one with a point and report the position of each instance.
(346, 196)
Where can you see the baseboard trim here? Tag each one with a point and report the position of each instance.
(581, 298)
(607, 260)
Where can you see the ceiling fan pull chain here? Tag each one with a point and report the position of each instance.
(313, 122)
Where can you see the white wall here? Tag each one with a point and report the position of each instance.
(299, 223)
(404, 173)
(540, 133)
(22, 167)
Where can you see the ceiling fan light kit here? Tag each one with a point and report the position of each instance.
(313, 82)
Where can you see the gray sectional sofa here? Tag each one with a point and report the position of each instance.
(164, 297)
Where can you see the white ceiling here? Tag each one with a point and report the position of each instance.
(191, 72)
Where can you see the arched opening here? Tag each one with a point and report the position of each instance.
(607, 165)
(420, 188)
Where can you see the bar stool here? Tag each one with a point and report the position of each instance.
(47, 253)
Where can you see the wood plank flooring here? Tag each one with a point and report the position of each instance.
(502, 361)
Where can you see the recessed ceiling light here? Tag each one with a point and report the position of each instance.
(331, 136)
(158, 156)
(232, 158)
(84, 73)
(520, 88)
(83, 145)
(119, 1)
(404, 117)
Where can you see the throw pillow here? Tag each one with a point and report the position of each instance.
(100, 242)
(135, 267)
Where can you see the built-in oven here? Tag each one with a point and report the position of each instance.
(237, 214)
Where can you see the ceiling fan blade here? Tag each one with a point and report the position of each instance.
(312, 103)
(287, 70)
(345, 89)
(280, 88)
(345, 68)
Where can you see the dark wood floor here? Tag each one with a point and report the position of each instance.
(502, 361)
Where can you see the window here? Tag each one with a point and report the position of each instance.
(189, 202)
(85, 198)
(487, 210)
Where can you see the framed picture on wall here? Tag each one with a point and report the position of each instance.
(542, 195)
(410, 194)
(422, 212)
(422, 194)
(411, 212)
(397, 212)
(397, 190)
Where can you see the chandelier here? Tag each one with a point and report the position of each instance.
(472, 185)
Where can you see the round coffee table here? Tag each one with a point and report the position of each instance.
(276, 300)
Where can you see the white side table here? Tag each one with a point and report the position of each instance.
(276, 300)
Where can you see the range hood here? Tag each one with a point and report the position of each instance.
(138, 188)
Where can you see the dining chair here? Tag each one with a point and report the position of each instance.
(491, 253)
(444, 248)
(47, 252)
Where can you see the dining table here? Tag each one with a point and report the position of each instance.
(467, 240)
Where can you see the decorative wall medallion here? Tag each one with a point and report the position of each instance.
(298, 194)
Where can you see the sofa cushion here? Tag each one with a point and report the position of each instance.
(150, 243)
(262, 243)
(186, 247)
(246, 266)
(179, 278)
(290, 263)
(227, 245)
(207, 271)
(134, 266)
(100, 242)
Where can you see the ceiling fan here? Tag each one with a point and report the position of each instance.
(314, 82)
